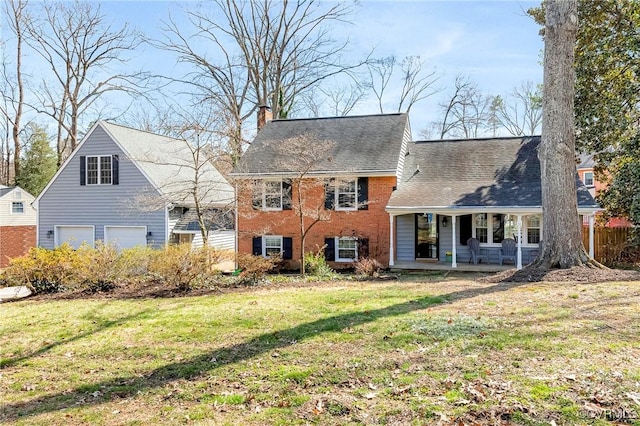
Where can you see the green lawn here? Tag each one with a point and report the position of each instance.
(420, 350)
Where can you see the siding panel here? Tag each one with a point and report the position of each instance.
(406, 237)
(66, 202)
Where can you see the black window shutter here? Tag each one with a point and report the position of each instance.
(83, 170)
(257, 246)
(466, 228)
(329, 194)
(330, 249)
(287, 248)
(115, 166)
(363, 248)
(363, 193)
(256, 189)
(286, 194)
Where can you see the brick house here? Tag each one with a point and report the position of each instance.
(345, 186)
(586, 171)
(375, 193)
(17, 223)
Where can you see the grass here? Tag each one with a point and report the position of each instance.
(420, 350)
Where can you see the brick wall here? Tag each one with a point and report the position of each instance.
(15, 241)
(372, 223)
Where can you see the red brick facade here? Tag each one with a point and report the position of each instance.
(372, 224)
(15, 241)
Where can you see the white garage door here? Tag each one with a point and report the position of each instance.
(74, 235)
(126, 236)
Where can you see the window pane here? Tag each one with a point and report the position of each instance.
(347, 248)
(92, 170)
(272, 246)
(511, 227)
(105, 170)
(498, 228)
(533, 229)
(347, 194)
(17, 207)
(481, 227)
(588, 178)
(273, 195)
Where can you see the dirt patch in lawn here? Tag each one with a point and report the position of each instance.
(577, 274)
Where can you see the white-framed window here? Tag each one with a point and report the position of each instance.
(481, 227)
(99, 170)
(272, 195)
(272, 246)
(17, 207)
(346, 249)
(588, 179)
(492, 228)
(347, 194)
(533, 229)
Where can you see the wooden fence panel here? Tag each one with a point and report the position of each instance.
(608, 243)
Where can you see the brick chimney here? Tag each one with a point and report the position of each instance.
(264, 116)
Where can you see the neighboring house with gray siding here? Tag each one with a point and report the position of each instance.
(127, 187)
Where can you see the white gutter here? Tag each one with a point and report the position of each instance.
(329, 173)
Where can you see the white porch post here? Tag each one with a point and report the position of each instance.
(519, 231)
(454, 262)
(591, 242)
(391, 245)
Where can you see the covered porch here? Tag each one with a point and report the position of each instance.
(436, 239)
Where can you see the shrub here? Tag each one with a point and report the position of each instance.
(255, 267)
(183, 267)
(44, 270)
(316, 263)
(368, 266)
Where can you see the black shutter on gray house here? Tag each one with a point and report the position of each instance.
(330, 249)
(257, 246)
(363, 193)
(83, 170)
(466, 228)
(330, 194)
(287, 248)
(115, 165)
(286, 194)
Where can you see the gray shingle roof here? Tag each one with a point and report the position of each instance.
(214, 219)
(361, 144)
(168, 163)
(499, 172)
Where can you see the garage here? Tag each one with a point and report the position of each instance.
(74, 235)
(124, 237)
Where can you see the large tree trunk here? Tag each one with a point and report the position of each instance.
(562, 234)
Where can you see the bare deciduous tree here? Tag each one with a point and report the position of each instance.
(12, 89)
(416, 83)
(80, 46)
(301, 156)
(521, 113)
(264, 53)
(466, 112)
(197, 185)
